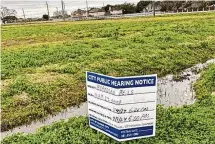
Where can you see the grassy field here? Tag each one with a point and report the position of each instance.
(43, 65)
(192, 124)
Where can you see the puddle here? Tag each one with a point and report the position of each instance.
(171, 92)
(179, 92)
(70, 112)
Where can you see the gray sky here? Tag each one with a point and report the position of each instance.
(36, 8)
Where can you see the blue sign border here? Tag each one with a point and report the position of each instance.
(107, 81)
(122, 133)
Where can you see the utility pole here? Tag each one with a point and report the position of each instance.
(62, 3)
(64, 7)
(154, 8)
(47, 9)
(87, 7)
(57, 15)
(23, 13)
(57, 10)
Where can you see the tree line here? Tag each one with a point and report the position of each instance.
(164, 5)
(127, 8)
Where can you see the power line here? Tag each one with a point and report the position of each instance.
(34, 14)
(50, 5)
(69, 2)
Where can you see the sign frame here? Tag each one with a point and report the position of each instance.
(95, 123)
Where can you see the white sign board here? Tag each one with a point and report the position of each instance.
(123, 108)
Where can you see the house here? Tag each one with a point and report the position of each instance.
(194, 6)
(116, 12)
(96, 12)
(9, 19)
(92, 12)
(211, 7)
(79, 13)
(182, 8)
(57, 17)
(150, 8)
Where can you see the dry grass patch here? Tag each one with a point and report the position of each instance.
(5, 83)
(21, 99)
(210, 37)
(119, 60)
(46, 78)
(95, 64)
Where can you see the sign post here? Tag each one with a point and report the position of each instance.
(123, 108)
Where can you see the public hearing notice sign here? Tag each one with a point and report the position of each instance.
(123, 108)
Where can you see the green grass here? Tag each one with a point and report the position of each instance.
(194, 124)
(43, 65)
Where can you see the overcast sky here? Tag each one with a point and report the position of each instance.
(36, 8)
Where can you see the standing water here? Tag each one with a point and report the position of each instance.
(171, 92)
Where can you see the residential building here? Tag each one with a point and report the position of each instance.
(78, 13)
(116, 12)
(96, 12)
(150, 8)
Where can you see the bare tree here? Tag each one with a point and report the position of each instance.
(8, 15)
(7, 12)
(57, 13)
